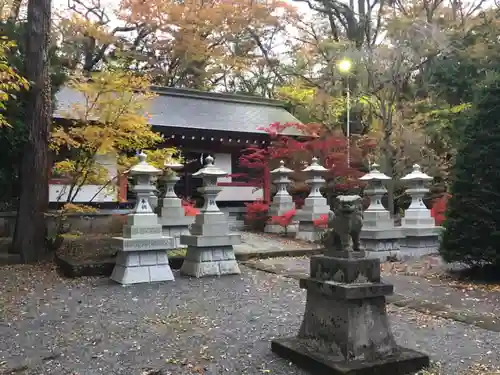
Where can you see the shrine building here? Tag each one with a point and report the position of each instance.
(198, 124)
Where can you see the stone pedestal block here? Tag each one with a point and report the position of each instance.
(142, 255)
(210, 247)
(176, 232)
(379, 237)
(142, 266)
(210, 244)
(153, 201)
(275, 228)
(422, 234)
(306, 231)
(420, 241)
(345, 329)
(171, 214)
(315, 205)
(382, 244)
(282, 201)
(142, 250)
(210, 261)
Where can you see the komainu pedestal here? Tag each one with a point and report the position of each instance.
(345, 329)
(210, 245)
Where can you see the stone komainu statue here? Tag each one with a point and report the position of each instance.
(344, 223)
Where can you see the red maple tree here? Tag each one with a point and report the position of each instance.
(284, 220)
(330, 148)
(189, 208)
(438, 209)
(256, 215)
(321, 222)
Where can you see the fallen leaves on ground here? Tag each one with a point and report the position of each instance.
(424, 266)
(474, 369)
(287, 243)
(420, 319)
(469, 286)
(23, 280)
(433, 268)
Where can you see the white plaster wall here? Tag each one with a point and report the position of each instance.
(223, 161)
(234, 193)
(239, 193)
(58, 192)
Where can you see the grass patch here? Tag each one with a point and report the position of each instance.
(177, 252)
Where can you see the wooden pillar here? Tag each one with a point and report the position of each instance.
(187, 185)
(122, 188)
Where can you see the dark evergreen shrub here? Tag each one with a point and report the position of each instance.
(472, 220)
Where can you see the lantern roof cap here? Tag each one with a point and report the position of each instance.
(416, 174)
(282, 169)
(375, 174)
(314, 166)
(210, 169)
(173, 165)
(142, 167)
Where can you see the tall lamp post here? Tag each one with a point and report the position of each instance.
(345, 66)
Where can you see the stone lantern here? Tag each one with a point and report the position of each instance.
(172, 216)
(210, 245)
(315, 205)
(142, 255)
(282, 201)
(376, 216)
(379, 237)
(422, 234)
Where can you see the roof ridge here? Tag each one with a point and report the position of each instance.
(218, 96)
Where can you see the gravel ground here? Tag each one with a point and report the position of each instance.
(206, 326)
(466, 297)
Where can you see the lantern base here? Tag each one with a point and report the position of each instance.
(142, 267)
(274, 228)
(176, 232)
(382, 243)
(307, 231)
(210, 261)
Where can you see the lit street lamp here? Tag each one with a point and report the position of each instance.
(345, 67)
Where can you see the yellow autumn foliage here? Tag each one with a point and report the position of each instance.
(110, 118)
(313, 105)
(10, 81)
(157, 158)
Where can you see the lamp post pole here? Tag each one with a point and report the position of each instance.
(348, 127)
(345, 67)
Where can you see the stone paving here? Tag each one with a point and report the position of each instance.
(209, 326)
(269, 243)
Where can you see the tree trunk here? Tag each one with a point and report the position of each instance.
(29, 236)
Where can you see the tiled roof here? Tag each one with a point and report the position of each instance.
(194, 109)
